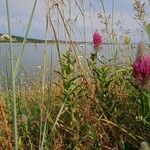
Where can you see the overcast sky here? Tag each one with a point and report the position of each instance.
(21, 9)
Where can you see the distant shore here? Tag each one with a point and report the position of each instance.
(19, 39)
(4, 38)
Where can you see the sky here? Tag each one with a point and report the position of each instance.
(20, 11)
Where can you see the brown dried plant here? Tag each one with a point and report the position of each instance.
(139, 7)
(5, 127)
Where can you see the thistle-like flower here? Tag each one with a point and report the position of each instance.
(141, 70)
(97, 40)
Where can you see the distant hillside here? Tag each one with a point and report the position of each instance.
(19, 39)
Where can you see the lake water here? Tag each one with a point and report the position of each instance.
(32, 59)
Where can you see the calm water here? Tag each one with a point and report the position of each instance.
(32, 59)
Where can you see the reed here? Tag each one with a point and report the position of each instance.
(12, 80)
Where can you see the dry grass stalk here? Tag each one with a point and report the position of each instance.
(139, 7)
(58, 143)
(141, 49)
(5, 127)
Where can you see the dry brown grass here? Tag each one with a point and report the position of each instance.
(139, 7)
(6, 139)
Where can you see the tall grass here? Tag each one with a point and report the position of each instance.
(15, 67)
(13, 81)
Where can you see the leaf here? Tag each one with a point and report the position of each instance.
(74, 78)
(74, 89)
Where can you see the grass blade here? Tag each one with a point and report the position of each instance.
(12, 80)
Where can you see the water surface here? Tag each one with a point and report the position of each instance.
(32, 58)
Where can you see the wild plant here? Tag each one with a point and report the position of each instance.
(141, 76)
(15, 67)
(70, 96)
(144, 103)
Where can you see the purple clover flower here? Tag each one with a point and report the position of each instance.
(141, 70)
(97, 40)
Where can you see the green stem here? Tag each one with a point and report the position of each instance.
(58, 116)
(43, 90)
(112, 21)
(13, 80)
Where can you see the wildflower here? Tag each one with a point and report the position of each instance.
(141, 71)
(97, 40)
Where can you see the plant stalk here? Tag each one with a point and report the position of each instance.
(12, 80)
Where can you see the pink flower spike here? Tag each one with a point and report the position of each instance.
(141, 70)
(97, 40)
